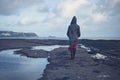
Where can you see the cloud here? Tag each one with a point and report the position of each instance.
(9, 7)
(26, 21)
(113, 2)
(111, 7)
(99, 17)
(46, 17)
(69, 8)
(104, 10)
(51, 16)
(43, 8)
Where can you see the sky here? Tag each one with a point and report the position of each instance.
(97, 18)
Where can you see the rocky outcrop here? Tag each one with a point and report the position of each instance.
(83, 67)
(16, 34)
(33, 53)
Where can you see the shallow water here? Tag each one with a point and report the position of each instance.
(48, 48)
(16, 67)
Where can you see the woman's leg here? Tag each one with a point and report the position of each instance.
(72, 49)
(71, 53)
(74, 52)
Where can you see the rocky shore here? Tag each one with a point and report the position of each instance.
(28, 43)
(84, 67)
(33, 53)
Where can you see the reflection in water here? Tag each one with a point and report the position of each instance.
(48, 48)
(15, 67)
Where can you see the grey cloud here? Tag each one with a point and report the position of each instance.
(104, 6)
(43, 9)
(8, 7)
(116, 10)
(111, 10)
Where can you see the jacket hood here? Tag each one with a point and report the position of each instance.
(74, 20)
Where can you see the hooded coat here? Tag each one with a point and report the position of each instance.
(73, 31)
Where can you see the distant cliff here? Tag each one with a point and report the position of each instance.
(16, 34)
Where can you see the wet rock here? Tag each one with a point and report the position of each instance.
(33, 53)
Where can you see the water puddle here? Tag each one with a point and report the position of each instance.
(15, 67)
(98, 56)
(84, 47)
(48, 48)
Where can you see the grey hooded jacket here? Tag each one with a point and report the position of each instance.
(73, 32)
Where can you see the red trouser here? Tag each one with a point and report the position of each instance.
(72, 46)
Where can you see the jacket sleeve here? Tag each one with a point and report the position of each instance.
(78, 32)
(68, 31)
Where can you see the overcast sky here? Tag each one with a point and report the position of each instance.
(97, 18)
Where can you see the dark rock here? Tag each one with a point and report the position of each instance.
(33, 53)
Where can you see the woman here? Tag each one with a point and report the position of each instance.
(73, 34)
